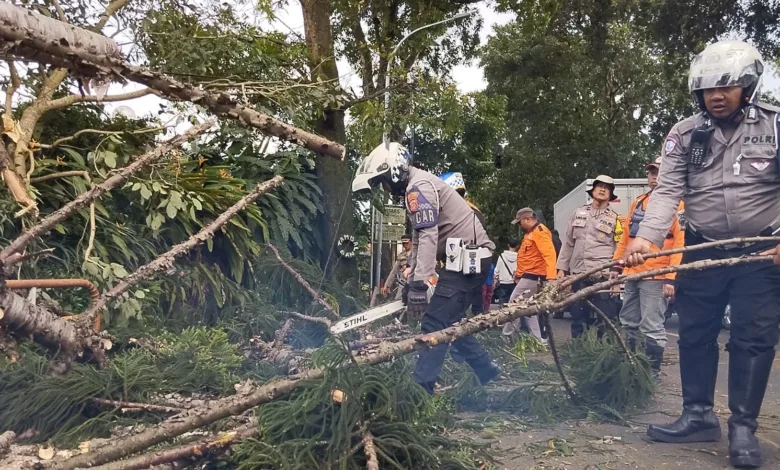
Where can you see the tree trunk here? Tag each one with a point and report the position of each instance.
(335, 177)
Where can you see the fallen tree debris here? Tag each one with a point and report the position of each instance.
(93, 62)
(166, 260)
(546, 301)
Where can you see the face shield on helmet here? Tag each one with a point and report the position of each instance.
(726, 64)
(389, 164)
(455, 181)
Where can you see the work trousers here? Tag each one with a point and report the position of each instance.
(642, 314)
(582, 316)
(752, 289)
(504, 292)
(453, 295)
(525, 288)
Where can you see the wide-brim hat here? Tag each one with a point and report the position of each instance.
(605, 180)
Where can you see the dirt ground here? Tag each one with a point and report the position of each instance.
(587, 445)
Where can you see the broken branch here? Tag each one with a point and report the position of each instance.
(569, 280)
(6, 439)
(295, 274)
(120, 177)
(36, 44)
(167, 259)
(372, 462)
(61, 141)
(199, 449)
(124, 405)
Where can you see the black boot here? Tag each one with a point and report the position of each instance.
(656, 355)
(488, 372)
(698, 423)
(748, 376)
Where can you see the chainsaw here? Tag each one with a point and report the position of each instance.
(373, 314)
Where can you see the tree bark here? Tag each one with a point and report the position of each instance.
(199, 449)
(335, 177)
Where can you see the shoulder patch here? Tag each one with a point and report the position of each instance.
(669, 145)
(422, 214)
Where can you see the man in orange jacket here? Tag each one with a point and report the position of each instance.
(535, 265)
(645, 301)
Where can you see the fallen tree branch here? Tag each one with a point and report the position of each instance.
(48, 222)
(63, 140)
(166, 260)
(297, 276)
(36, 45)
(321, 320)
(554, 350)
(372, 462)
(6, 439)
(614, 330)
(20, 258)
(544, 301)
(569, 280)
(14, 183)
(63, 174)
(198, 449)
(124, 405)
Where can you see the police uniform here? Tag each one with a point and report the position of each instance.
(436, 213)
(733, 191)
(589, 241)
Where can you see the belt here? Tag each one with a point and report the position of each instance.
(534, 277)
(769, 231)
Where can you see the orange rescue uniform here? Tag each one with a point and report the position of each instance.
(674, 239)
(536, 256)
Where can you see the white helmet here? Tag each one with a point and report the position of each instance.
(726, 64)
(393, 161)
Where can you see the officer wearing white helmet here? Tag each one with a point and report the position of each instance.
(592, 234)
(446, 229)
(723, 162)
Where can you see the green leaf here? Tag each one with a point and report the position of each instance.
(75, 156)
(59, 228)
(136, 186)
(91, 268)
(119, 270)
(109, 158)
(145, 193)
(139, 294)
(171, 211)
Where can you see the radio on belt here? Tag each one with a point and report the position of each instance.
(471, 261)
(454, 253)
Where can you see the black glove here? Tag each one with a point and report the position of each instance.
(417, 298)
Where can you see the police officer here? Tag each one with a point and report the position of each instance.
(455, 181)
(724, 163)
(436, 213)
(644, 304)
(591, 236)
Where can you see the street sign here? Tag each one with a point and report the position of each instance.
(393, 224)
(395, 215)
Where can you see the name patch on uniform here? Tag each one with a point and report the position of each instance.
(761, 165)
(422, 213)
(759, 139)
(669, 145)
